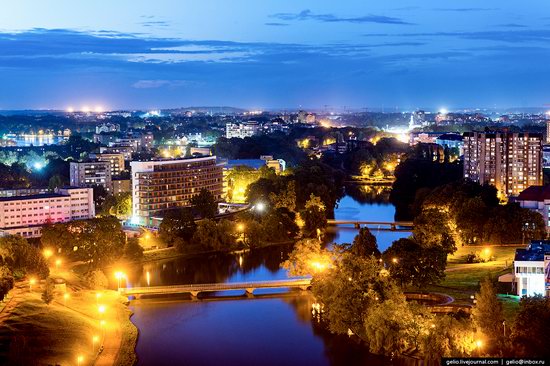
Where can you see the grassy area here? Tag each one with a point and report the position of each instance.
(36, 333)
(462, 279)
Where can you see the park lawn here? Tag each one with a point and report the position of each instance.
(59, 333)
(462, 279)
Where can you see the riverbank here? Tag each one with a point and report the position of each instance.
(70, 327)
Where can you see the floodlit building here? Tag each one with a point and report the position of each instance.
(91, 173)
(241, 130)
(531, 270)
(511, 162)
(161, 185)
(25, 215)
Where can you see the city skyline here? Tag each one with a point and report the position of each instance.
(273, 55)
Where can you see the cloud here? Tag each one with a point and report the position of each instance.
(331, 18)
(512, 25)
(509, 36)
(277, 24)
(465, 10)
(153, 84)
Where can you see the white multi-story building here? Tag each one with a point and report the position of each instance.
(241, 130)
(531, 270)
(25, 215)
(91, 173)
(116, 160)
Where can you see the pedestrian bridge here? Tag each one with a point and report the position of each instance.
(196, 289)
(381, 225)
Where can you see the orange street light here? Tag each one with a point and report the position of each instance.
(119, 276)
(47, 253)
(79, 360)
(395, 260)
(57, 263)
(95, 339)
(97, 297)
(66, 297)
(32, 281)
(240, 227)
(101, 309)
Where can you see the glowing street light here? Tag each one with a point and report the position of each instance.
(47, 253)
(395, 260)
(79, 360)
(57, 263)
(32, 281)
(260, 207)
(65, 298)
(97, 297)
(101, 309)
(119, 276)
(95, 339)
(240, 227)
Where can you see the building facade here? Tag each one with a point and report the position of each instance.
(25, 215)
(531, 270)
(116, 160)
(511, 162)
(161, 185)
(241, 130)
(91, 173)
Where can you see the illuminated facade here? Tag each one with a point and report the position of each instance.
(161, 185)
(511, 162)
(241, 130)
(91, 173)
(531, 269)
(116, 160)
(25, 215)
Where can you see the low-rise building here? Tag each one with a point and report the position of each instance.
(25, 215)
(537, 198)
(121, 185)
(531, 271)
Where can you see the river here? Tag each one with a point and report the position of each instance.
(274, 328)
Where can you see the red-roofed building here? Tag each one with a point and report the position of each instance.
(537, 198)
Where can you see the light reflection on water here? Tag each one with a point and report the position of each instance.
(265, 331)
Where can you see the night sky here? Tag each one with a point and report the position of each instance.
(274, 54)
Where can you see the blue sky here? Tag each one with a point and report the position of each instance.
(274, 54)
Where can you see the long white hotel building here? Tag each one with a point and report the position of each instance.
(26, 214)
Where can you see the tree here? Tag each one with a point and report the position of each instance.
(215, 236)
(279, 225)
(119, 205)
(100, 196)
(394, 325)
(6, 281)
(177, 225)
(531, 327)
(488, 314)
(411, 264)
(132, 250)
(285, 198)
(349, 289)
(307, 258)
(96, 280)
(55, 182)
(47, 294)
(448, 336)
(99, 241)
(364, 244)
(314, 216)
(20, 256)
(205, 204)
(432, 228)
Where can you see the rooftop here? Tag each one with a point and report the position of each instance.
(535, 251)
(32, 197)
(535, 193)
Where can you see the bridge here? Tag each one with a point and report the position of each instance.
(390, 225)
(196, 289)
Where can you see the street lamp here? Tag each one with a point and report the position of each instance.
(95, 339)
(119, 276)
(32, 281)
(260, 207)
(57, 263)
(65, 298)
(395, 260)
(101, 309)
(79, 360)
(47, 253)
(97, 296)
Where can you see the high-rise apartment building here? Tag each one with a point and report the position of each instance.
(161, 185)
(91, 173)
(548, 131)
(116, 160)
(509, 161)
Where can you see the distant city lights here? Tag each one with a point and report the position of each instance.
(443, 111)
